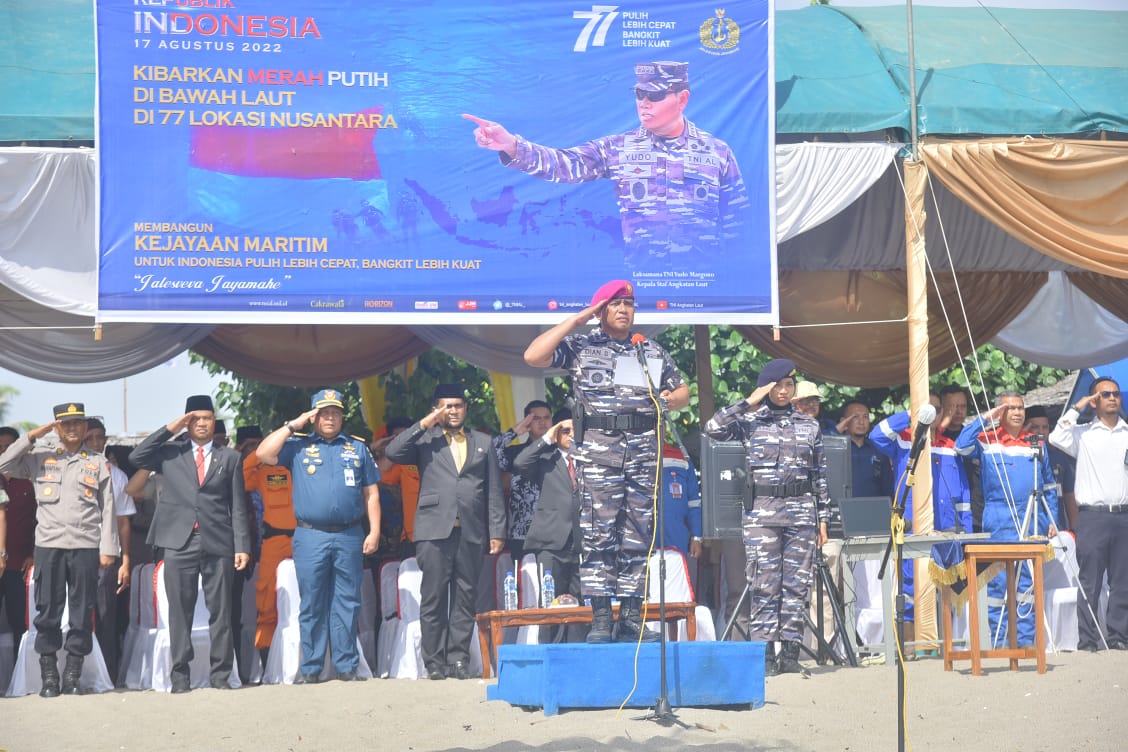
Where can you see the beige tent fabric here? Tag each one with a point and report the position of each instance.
(877, 354)
(1109, 293)
(1065, 198)
(307, 355)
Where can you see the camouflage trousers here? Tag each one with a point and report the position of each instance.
(780, 570)
(617, 518)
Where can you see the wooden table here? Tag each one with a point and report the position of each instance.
(491, 623)
(1009, 554)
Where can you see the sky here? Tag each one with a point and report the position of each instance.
(137, 404)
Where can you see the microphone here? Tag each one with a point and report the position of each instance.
(638, 340)
(925, 416)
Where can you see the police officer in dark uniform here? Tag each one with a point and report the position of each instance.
(789, 510)
(75, 535)
(616, 447)
(335, 488)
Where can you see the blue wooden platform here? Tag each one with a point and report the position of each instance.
(577, 675)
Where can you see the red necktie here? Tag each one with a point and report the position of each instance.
(572, 471)
(200, 465)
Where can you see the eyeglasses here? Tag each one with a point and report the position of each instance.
(653, 96)
(1109, 394)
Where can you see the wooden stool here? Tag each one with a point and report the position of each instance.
(1008, 554)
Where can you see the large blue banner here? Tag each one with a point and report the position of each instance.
(438, 160)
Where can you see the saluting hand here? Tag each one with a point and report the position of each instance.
(432, 418)
(1086, 402)
(40, 431)
(759, 393)
(524, 426)
(304, 418)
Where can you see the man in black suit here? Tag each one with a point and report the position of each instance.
(201, 524)
(460, 507)
(554, 535)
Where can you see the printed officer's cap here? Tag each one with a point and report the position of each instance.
(616, 288)
(775, 370)
(70, 411)
(327, 398)
(664, 75)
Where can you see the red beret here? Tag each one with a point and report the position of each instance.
(616, 288)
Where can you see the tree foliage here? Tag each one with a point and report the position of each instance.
(734, 363)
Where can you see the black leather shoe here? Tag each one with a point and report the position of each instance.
(307, 678)
(459, 670)
(435, 674)
(220, 684)
(1089, 647)
(181, 685)
(350, 676)
(1118, 645)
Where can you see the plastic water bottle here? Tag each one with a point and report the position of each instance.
(510, 591)
(548, 589)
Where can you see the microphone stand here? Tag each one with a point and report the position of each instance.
(897, 541)
(662, 712)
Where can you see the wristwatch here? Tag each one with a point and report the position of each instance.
(4, 555)
(290, 428)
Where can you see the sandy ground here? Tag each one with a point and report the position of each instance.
(1081, 703)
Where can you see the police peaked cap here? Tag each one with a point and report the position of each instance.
(70, 411)
(199, 402)
(775, 370)
(327, 398)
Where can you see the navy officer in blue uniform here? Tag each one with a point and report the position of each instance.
(335, 487)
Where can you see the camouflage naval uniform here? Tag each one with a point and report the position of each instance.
(679, 198)
(615, 469)
(786, 460)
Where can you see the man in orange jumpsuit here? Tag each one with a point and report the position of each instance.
(273, 485)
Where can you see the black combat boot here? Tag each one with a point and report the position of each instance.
(49, 672)
(789, 659)
(601, 619)
(72, 673)
(771, 661)
(630, 622)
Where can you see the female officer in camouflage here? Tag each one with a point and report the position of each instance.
(789, 507)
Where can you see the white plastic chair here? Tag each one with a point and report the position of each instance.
(1060, 586)
(389, 616)
(199, 668)
(250, 626)
(25, 673)
(679, 590)
(133, 628)
(528, 596)
(407, 659)
(369, 615)
(136, 669)
(285, 657)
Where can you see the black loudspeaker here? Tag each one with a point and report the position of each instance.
(724, 484)
(839, 479)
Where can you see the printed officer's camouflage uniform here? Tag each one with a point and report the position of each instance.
(780, 532)
(680, 199)
(615, 469)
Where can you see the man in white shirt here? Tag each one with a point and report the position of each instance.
(1101, 489)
